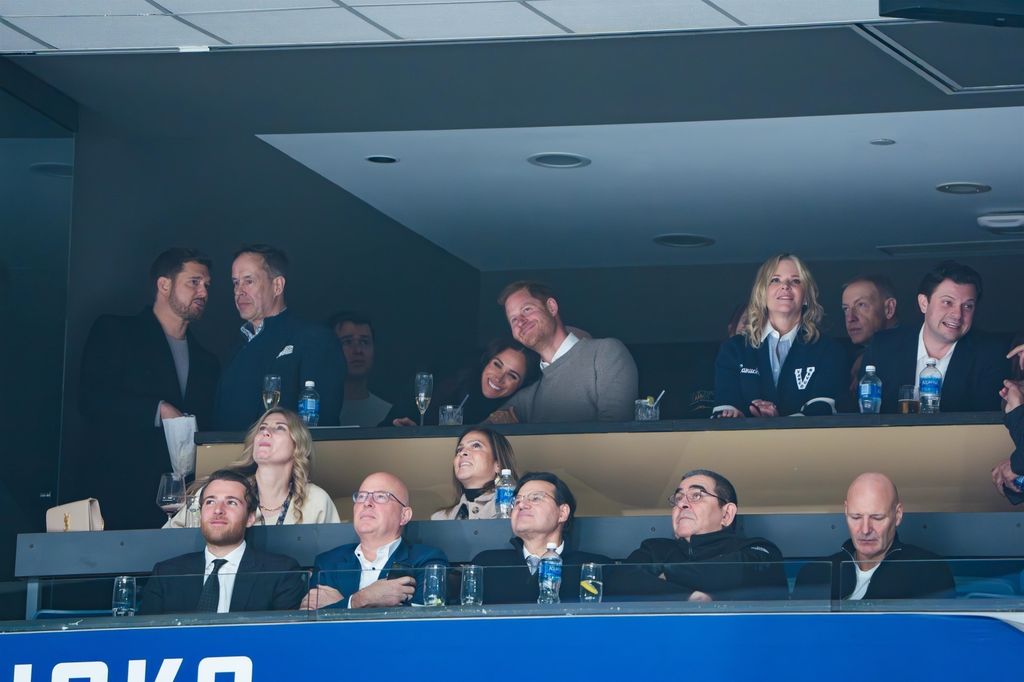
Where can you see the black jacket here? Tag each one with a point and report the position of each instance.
(811, 370)
(722, 564)
(906, 572)
(127, 369)
(507, 577)
(298, 351)
(971, 382)
(264, 582)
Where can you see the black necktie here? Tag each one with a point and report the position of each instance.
(210, 596)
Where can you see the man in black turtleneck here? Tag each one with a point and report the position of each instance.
(707, 558)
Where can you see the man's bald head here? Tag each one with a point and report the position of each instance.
(873, 512)
(379, 523)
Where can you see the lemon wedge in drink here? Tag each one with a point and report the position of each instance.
(588, 586)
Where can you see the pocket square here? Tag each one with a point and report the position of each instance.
(287, 350)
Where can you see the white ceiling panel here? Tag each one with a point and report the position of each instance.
(71, 8)
(373, 3)
(85, 33)
(289, 27)
(609, 16)
(775, 12)
(12, 41)
(477, 20)
(838, 195)
(188, 6)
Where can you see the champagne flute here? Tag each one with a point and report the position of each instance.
(424, 389)
(271, 391)
(170, 496)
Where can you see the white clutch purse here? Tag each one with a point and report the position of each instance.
(79, 515)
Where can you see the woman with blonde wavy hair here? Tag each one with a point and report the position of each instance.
(780, 364)
(276, 457)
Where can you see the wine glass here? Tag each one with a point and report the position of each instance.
(271, 391)
(424, 389)
(170, 496)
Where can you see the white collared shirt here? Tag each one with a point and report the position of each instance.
(570, 341)
(527, 554)
(923, 357)
(250, 335)
(778, 347)
(226, 574)
(371, 569)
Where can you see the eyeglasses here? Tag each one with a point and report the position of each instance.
(378, 497)
(533, 498)
(693, 496)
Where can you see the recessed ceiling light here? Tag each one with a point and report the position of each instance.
(1002, 223)
(559, 160)
(381, 158)
(963, 188)
(883, 142)
(53, 169)
(683, 241)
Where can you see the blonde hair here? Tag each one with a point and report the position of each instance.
(757, 307)
(302, 455)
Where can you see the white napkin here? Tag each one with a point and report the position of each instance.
(180, 433)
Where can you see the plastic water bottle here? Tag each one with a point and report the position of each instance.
(506, 491)
(930, 387)
(549, 576)
(309, 404)
(869, 393)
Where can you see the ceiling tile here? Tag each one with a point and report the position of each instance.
(189, 6)
(71, 8)
(289, 27)
(774, 12)
(476, 20)
(85, 33)
(370, 3)
(12, 41)
(608, 16)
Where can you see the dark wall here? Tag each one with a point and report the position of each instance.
(135, 197)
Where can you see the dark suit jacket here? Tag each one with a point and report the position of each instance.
(257, 586)
(972, 380)
(339, 568)
(744, 373)
(507, 577)
(127, 369)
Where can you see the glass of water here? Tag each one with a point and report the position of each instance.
(123, 601)
(435, 584)
(450, 415)
(472, 592)
(646, 410)
(591, 584)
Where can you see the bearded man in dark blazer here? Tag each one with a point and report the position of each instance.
(228, 575)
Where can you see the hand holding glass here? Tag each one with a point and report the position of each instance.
(424, 389)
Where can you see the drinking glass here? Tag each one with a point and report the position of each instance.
(123, 601)
(449, 415)
(646, 411)
(424, 389)
(271, 391)
(434, 584)
(909, 403)
(472, 592)
(170, 496)
(591, 585)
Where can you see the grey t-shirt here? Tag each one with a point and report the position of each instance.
(179, 351)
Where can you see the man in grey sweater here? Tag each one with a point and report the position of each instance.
(582, 380)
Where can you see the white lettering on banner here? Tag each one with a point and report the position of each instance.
(239, 667)
(168, 670)
(94, 671)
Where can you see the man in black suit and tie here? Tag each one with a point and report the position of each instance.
(972, 363)
(542, 513)
(136, 371)
(228, 576)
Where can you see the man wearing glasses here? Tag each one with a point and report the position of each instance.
(708, 559)
(362, 574)
(542, 513)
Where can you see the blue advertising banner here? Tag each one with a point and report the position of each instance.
(666, 647)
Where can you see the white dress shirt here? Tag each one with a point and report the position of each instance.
(226, 574)
(778, 347)
(923, 357)
(566, 346)
(371, 569)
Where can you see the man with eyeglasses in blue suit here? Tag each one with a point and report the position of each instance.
(708, 560)
(376, 571)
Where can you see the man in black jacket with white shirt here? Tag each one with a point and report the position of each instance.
(874, 563)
